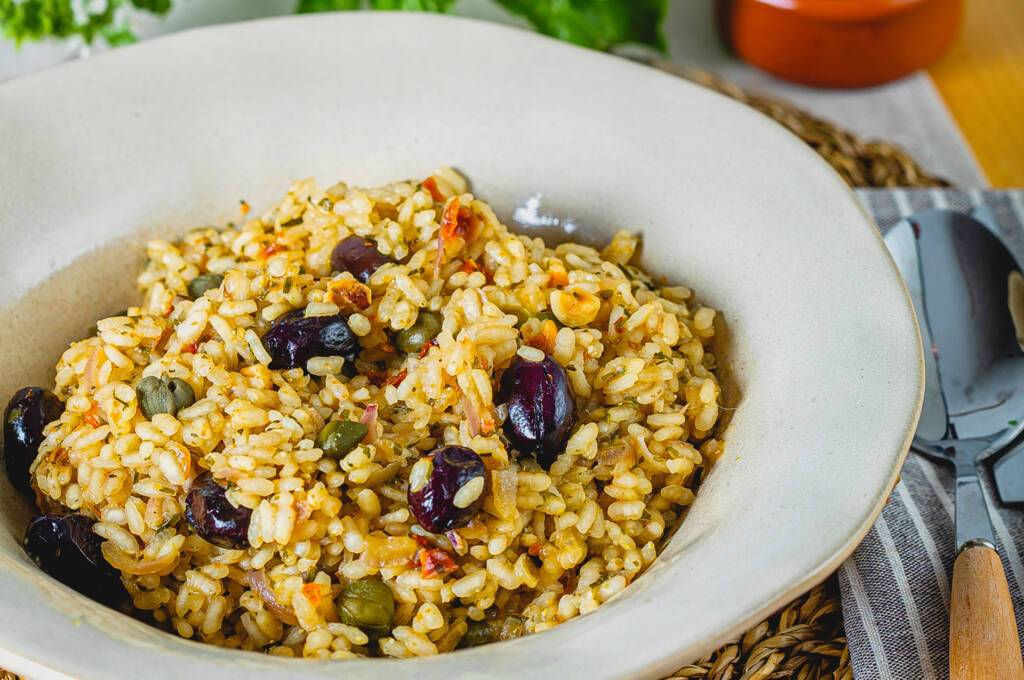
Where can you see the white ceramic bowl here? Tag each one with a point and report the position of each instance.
(170, 134)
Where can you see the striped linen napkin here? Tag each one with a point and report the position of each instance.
(895, 587)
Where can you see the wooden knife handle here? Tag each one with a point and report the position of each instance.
(983, 640)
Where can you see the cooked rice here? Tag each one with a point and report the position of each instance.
(546, 547)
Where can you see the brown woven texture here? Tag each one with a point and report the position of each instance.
(861, 163)
(804, 641)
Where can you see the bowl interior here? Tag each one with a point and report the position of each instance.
(822, 345)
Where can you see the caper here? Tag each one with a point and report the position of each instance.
(547, 315)
(522, 316)
(148, 384)
(154, 397)
(203, 283)
(426, 328)
(163, 395)
(512, 627)
(477, 633)
(368, 605)
(340, 436)
(184, 395)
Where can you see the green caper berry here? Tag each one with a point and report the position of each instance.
(148, 384)
(368, 605)
(522, 316)
(512, 627)
(547, 315)
(426, 328)
(477, 633)
(155, 396)
(339, 437)
(202, 283)
(184, 395)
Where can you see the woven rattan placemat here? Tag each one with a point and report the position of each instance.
(804, 641)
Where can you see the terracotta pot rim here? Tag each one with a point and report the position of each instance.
(843, 10)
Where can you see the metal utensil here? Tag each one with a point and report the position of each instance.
(1008, 470)
(956, 272)
(1009, 475)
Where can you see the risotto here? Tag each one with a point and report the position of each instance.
(370, 422)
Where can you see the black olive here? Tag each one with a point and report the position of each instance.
(541, 407)
(359, 256)
(296, 338)
(65, 547)
(446, 488)
(211, 514)
(28, 412)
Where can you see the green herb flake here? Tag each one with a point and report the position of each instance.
(170, 521)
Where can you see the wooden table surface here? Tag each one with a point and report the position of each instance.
(981, 80)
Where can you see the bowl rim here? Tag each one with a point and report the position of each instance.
(52, 667)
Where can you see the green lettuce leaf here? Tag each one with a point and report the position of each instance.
(22, 20)
(415, 5)
(600, 24)
(307, 6)
(335, 5)
(154, 6)
(118, 35)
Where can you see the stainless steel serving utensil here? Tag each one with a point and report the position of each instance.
(957, 273)
(1008, 470)
(1009, 475)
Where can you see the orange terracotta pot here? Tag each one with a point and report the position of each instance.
(839, 43)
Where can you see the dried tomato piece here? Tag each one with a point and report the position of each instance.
(471, 266)
(430, 184)
(458, 221)
(435, 562)
(270, 249)
(426, 347)
(311, 591)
